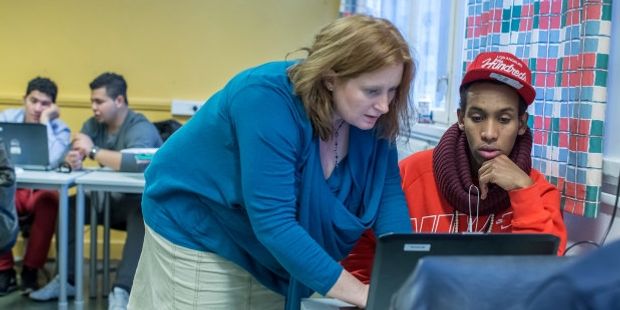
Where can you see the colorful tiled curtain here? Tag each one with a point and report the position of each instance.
(566, 44)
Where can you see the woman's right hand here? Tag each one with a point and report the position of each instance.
(349, 289)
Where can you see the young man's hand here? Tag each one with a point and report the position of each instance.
(503, 172)
(82, 143)
(74, 158)
(49, 114)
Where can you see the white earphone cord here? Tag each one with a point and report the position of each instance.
(469, 219)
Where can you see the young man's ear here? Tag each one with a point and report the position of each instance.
(119, 100)
(460, 116)
(523, 123)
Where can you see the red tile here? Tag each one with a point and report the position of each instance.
(563, 124)
(593, 11)
(563, 141)
(545, 7)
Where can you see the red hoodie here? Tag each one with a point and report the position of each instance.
(535, 209)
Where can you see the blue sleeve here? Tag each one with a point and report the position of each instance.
(58, 139)
(269, 132)
(393, 214)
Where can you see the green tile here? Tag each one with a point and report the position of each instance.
(505, 27)
(563, 23)
(597, 127)
(536, 8)
(600, 78)
(602, 61)
(591, 209)
(555, 124)
(506, 14)
(606, 12)
(536, 22)
(592, 193)
(596, 145)
(555, 139)
(516, 11)
(514, 26)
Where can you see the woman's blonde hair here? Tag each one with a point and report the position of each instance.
(348, 47)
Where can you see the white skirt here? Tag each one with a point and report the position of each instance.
(174, 277)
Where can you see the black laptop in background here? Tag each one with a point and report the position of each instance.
(397, 255)
(26, 145)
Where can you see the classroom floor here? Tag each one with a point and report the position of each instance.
(16, 301)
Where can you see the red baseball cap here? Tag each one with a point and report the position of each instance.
(503, 67)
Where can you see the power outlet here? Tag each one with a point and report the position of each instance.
(185, 107)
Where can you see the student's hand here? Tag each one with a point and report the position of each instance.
(49, 114)
(82, 143)
(74, 158)
(503, 172)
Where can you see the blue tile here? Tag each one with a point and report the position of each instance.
(570, 169)
(538, 108)
(553, 51)
(537, 150)
(592, 28)
(563, 168)
(563, 155)
(548, 110)
(564, 109)
(554, 36)
(591, 45)
(543, 36)
(585, 110)
(549, 93)
(519, 51)
(587, 93)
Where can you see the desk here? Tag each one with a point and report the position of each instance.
(61, 182)
(107, 181)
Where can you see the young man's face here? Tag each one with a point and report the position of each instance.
(105, 109)
(491, 121)
(35, 103)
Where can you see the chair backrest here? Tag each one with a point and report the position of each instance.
(167, 127)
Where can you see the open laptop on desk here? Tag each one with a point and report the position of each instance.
(26, 145)
(397, 255)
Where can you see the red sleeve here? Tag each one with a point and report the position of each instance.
(359, 261)
(536, 209)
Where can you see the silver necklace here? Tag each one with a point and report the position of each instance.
(336, 142)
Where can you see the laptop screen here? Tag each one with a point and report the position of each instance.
(397, 255)
(26, 144)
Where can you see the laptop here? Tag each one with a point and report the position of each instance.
(26, 145)
(397, 255)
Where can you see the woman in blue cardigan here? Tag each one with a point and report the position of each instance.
(255, 200)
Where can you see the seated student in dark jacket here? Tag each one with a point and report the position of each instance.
(8, 219)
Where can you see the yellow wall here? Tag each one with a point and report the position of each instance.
(166, 49)
(184, 49)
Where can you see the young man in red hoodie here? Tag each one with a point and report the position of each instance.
(487, 153)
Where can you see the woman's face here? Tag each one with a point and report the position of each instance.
(360, 101)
